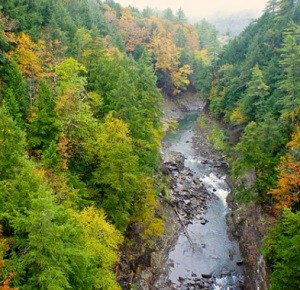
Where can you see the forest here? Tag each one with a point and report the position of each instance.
(81, 89)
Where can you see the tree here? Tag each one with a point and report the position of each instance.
(290, 83)
(180, 16)
(180, 79)
(12, 145)
(253, 103)
(47, 252)
(256, 152)
(43, 123)
(208, 35)
(15, 93)
(133, 33)
(27, 56)
(116, 174)
(203, 75)
(102, 241)
(168, 14)
(75, 116)
(282, 248)
(287, 190)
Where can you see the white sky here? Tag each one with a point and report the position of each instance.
(199, 8)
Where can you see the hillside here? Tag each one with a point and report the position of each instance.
(81, 89)
(255, 89)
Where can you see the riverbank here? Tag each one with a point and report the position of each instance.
(243, 221)
(202, 257)
(248, 223)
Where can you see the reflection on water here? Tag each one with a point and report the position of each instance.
(209, 250)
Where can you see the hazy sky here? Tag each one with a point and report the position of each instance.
(198, 8)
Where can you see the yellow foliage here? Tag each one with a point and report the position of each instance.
(153, 226)
(101, 238)
(181, 78)
(165, 51)
(295, 142)
(63, 150)
(237, 117)
(26, 54)
(203, 55)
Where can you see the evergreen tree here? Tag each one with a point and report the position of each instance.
(15, 93)
(290, 82)
(43, 123)
(282, 247)
(253, 103)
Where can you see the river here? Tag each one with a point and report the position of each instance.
(202, 250)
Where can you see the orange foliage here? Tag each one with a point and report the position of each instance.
(5, 285)
(191, 34)
(4, 247)
(36, 61)
(286, 193)
(63, 150)
(162, 45)
(132, 32)
(27, 57)
(110, 14)
(180, 78)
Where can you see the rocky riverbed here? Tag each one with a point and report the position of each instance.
(199, 224)
(196, 253)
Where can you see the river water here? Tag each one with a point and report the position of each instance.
(211, 252)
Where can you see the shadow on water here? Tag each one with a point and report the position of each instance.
(209, 252)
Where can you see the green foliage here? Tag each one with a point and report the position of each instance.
(253, 103)
(49, 249)
(255, 88)
(258, 151)
(12, 145)
(15, 93)
(203, 77)
(220, 139)
(89, 118)
(43, 123)
(215, 134)
(116, 174)
(101, 241)
(282, 248)
(129, 89)
(289, 85)
(208, 37)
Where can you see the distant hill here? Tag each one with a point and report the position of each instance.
(234, 24)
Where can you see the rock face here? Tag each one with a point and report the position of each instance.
(250, 224)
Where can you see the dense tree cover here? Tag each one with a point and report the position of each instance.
(255, 88)
(80, 133)
(282, 246)
(168, 37)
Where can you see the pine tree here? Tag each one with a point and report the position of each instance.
(43, 123)
(290, 83)
(253, 104)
